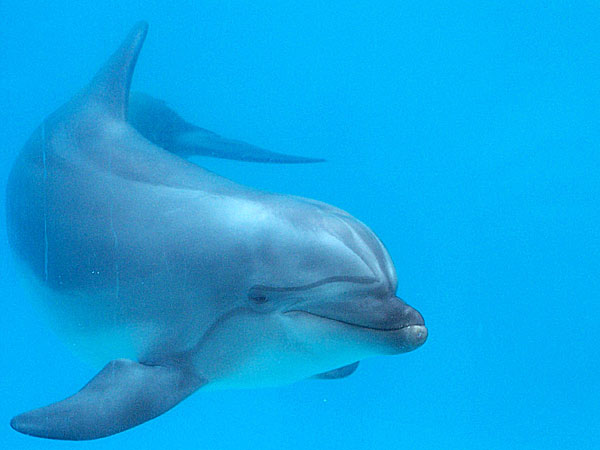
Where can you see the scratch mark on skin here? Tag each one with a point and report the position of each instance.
(115, 246)
(45, 202)
(113, 231)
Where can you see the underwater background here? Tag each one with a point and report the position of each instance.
(465, 134)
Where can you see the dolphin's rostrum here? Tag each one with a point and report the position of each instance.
(175, 278)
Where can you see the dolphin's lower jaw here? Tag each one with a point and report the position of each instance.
(386, 325)
(389, 341)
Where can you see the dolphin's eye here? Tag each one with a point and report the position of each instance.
(259, 299)
(257, 295)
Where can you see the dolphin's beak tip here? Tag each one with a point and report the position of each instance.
(413, 337)
(420, 334)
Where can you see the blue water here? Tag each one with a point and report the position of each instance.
(465, 134)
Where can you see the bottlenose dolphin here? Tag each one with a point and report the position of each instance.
(175, 278)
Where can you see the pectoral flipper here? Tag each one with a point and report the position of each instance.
(122, 395)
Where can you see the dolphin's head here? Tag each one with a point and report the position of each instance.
(337, 280)
(357, 317)
(324, 284)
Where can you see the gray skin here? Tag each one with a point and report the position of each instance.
(175, 278)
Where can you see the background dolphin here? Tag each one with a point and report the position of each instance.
(180, 278)
(163, 126)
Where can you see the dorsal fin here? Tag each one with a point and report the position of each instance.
(110, 86)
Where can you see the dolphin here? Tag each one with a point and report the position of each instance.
(173, 278)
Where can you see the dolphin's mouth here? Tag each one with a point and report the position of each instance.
(369, 313)
(417, 323)
(395, 336)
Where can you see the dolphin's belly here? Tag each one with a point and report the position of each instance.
(99, 327)
(84, 327)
